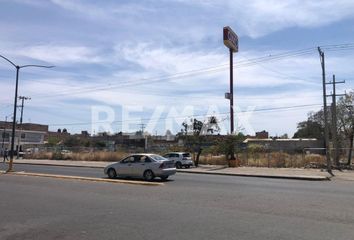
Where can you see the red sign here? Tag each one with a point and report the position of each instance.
(230, 39)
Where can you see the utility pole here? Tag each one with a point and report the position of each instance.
(334, 120)
(22, 98)
(326, 131)
(142, 125)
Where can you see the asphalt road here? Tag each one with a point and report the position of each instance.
(187, 207)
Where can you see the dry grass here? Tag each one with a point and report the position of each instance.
(99, 156)
(83, 156)
(272, 160)
(314, 160)
(40, 155)
(213, 160)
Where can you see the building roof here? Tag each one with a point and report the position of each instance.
(279, 140)
(25, 126)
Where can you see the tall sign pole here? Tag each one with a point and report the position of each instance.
(231, 92)
(231, 42)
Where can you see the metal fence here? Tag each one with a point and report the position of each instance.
(271, 158)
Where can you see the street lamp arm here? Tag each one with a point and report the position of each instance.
(40, 66)
(8, 60)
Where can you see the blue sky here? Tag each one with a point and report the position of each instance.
(140, 54)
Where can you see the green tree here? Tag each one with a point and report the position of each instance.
(72, 142)
(53, 141)
(313, 127)
(345, 116)
(309, 129)
(193, 133)
(230, 144)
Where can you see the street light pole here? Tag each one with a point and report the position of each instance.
(15, 107)
(14, 123)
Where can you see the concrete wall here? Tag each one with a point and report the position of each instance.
(286, 144)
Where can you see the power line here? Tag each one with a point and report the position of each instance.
(213, 69)
(239, 64)
(190, 116)
(208, 70)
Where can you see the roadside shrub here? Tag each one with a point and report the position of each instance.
(39, 155)
(314, 161)
(57, 156)
(213, 160)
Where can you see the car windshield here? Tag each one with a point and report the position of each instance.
(186, 155)
(157, 157)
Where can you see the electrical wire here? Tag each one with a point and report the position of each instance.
(214, 69)
(240, 64)
(190, 116)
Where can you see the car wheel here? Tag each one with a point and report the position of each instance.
(164, 178)
(112, 173)
(178, 165)
(187, 166)
(149, 175)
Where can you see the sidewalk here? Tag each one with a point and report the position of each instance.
(284, 173)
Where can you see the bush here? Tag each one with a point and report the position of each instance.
(213, 160)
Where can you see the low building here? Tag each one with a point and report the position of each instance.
(26, 135)
(262, 135)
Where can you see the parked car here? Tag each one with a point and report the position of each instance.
(146, 166)
(180, 159)
(65, 151)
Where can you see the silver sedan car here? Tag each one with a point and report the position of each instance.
(146, 166)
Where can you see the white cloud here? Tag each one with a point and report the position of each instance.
(167, 60)
(262, 17)
(212, 67)
(60, 54)
(103, 11)
(79, 7)
(259, 17)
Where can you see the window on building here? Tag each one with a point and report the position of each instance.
(5, 135)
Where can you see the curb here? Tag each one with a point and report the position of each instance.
(58, 165)
(85, 178)
(290, 177)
